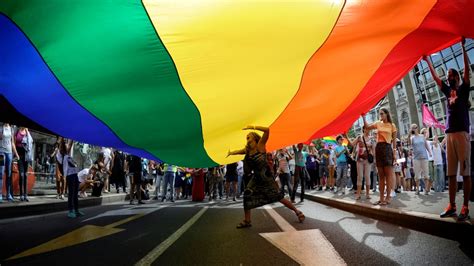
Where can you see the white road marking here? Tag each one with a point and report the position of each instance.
(163, 246)
(127, 211)
(307, 247)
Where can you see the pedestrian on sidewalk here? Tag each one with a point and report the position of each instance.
(341, 152)
(438, 165)
(7, 150)
(384, 153)
(330, 157)
(170, 173)
(118, 171)
(134, 164)
(262, 188)
(71, 170)
(283, 171)
(23, 146)
(457, 133)
(231, 178)
(364, 149)
(300, 171)
(421, 149)
(58, 172)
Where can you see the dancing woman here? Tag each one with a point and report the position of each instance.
(262, 188)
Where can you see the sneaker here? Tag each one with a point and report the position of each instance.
(79, 213)
(61, 196)
(426, 192)
(320, 188)
(71, 215)
(464, 214)
(417, 192)
(21, 198)
(449, 211)
(57, 197)
(1, 198)
(25, 198)
(141, 202)
(10, 198)
(233, 199)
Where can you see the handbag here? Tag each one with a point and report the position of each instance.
(370, 157)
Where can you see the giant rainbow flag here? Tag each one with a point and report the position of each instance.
(178, 80)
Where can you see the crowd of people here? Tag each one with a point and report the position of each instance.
(374, 160)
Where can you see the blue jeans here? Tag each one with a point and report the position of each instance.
(7, 169)
(285, 181)
(158, 180)
(439, 178)
(73, 189)
(341, 175)
(168, 180)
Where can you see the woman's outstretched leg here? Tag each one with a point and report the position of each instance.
(292, 207)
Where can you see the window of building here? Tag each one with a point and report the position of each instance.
(451, 64)
(400, 90)
(446, 52)
(460, 61)
(456, 47)
(405, 122)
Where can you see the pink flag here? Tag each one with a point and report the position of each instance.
(430, 120)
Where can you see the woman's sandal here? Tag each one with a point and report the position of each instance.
(244, 224)
(301, 216)
(378, 202)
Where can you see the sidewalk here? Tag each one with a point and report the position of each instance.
(419, 212)
(43, 200)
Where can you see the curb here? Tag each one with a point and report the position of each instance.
(20, 210)
(423, 222)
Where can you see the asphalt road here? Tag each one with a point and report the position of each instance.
(187, 233)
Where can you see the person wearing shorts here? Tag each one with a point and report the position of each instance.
(421, 150)
(458, 146)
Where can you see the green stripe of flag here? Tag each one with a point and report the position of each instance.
(110, 59)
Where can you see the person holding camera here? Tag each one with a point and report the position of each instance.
(384, 153)
(458, 146)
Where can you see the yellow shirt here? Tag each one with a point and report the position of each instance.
(385, 131)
